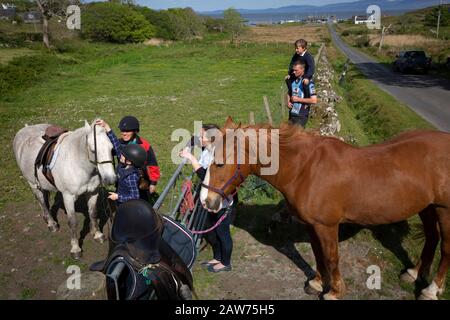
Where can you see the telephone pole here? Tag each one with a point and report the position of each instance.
(439, 19)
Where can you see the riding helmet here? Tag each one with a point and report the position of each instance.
(136, 225)
(129, 123)
(135, 153)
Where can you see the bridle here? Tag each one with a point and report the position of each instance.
(237, 174)
(95, 161)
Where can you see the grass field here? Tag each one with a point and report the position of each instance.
(168, 88)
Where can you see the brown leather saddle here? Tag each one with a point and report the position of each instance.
(45, 155)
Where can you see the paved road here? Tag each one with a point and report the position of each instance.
(427, 96)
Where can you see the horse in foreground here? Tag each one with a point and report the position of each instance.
(327, 182)
(79, 160)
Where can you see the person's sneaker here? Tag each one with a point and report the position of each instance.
(226, 268)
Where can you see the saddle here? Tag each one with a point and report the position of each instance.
(140, 264)
(45, 155)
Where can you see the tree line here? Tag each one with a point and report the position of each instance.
(123, 21)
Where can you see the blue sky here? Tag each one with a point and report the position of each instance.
(208, 5)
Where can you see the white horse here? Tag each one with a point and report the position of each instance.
(83, 158)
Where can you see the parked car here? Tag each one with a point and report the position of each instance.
(412, 61)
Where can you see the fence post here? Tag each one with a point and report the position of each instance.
(283, 103)
(266, 105)
(251, 118)
(317, 57)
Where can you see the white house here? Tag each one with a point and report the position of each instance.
(7, 11)
(365, 19)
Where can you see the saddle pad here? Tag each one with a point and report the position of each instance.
(180, 239)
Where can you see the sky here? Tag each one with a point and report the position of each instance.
(210, 5)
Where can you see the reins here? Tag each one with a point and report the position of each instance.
(97, 172)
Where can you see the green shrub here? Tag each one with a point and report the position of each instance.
(114, 22)
(362, 41)
(20, 38)
(23, 71)
(161, 20)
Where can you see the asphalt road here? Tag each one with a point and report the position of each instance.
(426, 95)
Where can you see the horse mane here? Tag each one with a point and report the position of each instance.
(287, 132)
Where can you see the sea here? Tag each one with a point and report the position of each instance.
(277, 18)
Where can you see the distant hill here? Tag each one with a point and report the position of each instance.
(361, 5)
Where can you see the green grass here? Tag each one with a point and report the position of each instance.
(7, 55)
(27, 293)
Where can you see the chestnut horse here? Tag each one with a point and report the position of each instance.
(327, 182)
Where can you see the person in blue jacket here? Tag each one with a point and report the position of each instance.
(300, 97)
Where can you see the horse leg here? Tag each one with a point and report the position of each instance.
(437, 286)
(69, 204)
(329, 239)
(92, 208)
(315, 285)
(422, 268)
(42, 197)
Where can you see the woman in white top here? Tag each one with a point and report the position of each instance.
(219, 238)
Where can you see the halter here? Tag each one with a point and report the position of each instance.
(237, 174)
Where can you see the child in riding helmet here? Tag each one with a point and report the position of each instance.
(129, 129)
(131, 157)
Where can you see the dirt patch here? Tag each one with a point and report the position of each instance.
(34, 260)
(277, 265)
(266, 265)
(286, 34)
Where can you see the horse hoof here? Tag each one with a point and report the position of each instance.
(330, 296)
(53, 228)
(76, 255)
(408, 276)
(431, 292)
(100, 237)
(311, 291)
(427, 296)
(313, 287)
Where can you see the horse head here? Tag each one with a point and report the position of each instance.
(229, 168)
(100, 152)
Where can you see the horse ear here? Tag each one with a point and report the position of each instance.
(87, 127)
(229, 123)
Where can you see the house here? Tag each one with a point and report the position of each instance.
(32, 17)
(365, 19)
(7, 11)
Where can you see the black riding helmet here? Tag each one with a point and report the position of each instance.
(134, 153)
(129, 123)
(136, 225)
